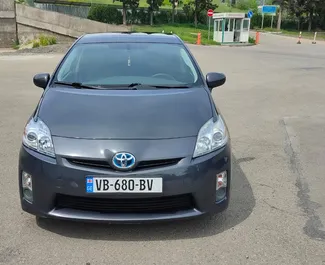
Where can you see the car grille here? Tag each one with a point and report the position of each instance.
(141, 165)
(168, 204)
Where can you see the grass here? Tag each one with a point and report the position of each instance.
(43, 40)
(36, 43)
(295, 33)
(222, 7)
(16, 45)
(187, 33)
(46, 40)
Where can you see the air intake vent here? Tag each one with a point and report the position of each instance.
(102, 164)
(168, 204)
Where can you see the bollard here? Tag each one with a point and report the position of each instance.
(299, 39)
(257, 39)
(198, 41)
(315, 36)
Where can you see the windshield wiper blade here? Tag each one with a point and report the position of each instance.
(131, 86)
(171, 86)
(134, 85)
(76, 85)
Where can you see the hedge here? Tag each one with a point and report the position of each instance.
(113, 15)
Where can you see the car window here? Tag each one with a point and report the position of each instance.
(69, 66)
(126, 63)
(188, 62)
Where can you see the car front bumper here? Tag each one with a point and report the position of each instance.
(192, 177)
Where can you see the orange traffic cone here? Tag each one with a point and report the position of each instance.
(198, 41)
(257, 39)
(299, 39)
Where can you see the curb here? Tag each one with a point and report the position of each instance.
(239, 45)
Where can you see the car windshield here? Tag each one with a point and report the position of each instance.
(109, 64)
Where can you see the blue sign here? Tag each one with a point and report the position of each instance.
(89, 184)
(269, 9)
(250, 14)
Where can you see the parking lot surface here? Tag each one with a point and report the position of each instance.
(274, 105)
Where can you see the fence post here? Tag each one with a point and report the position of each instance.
(315, 36)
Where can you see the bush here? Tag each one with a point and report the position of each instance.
(256, 21)
(142, 16)
(106, 14)
(137, 16)
(163, 17)
(36, 43)
(251, 40)
(46, 40)
(42, 40)
(286, 23)
(113, 15)
(16, 44)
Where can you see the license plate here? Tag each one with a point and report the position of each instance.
(123, 185)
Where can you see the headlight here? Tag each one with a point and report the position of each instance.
(212, 136)
(37, 136)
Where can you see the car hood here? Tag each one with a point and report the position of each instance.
(125, 114)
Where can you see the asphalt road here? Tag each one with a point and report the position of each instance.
(274, 104)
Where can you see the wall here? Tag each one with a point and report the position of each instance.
(7, 23)
(26, 33)
(32, 21)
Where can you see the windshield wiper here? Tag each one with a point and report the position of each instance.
(135, 85)
(76, 85)
(171, 86)
(132, 86)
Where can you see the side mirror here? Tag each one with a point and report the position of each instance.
(215, 79)
(41, 80)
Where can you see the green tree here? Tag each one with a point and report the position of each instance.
(197, 6)
(247, 5)
(282, 5)
(154, 5)
(174, 4)
(298, 8)
(133, 4)
(320, 15)
(312, 10)
(311, 7)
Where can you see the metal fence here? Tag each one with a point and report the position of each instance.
(78, 11)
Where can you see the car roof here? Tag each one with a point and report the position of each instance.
(130, 37)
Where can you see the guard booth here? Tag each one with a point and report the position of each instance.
(231, 27)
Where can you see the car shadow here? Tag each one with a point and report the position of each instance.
(240, 207)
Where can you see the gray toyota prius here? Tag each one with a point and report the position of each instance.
(126, 130)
